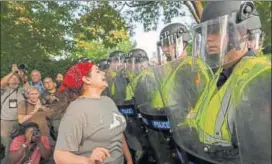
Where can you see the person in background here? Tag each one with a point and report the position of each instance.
(48, 96)
(36, 80)
(96, 132)
(59, 79)
(31, 110)
(28, 146)
(10, 97)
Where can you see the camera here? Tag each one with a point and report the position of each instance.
(35, 134)
(22, 68)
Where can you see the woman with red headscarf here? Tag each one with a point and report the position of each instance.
(91, 130)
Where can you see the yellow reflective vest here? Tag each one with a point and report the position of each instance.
(200, 75)
(213, 115)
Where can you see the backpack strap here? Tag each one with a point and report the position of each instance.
(26, 105)
(28, 154)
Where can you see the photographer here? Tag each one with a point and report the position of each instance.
(10, 98)
(28, 146)
(59, 79)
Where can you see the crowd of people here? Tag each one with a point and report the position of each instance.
(190, 107)
(31, 112)
(27, 103)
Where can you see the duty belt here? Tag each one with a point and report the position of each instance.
(128, 110)
(160, 122)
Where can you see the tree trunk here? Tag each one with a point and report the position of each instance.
(198, 7)
(192, 10)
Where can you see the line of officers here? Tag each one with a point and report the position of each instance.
(211, 104)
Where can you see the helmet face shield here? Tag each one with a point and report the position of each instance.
(103, 65)
(137, 64)
(218, 41)
(255, 40)
(135, 60)
(172, 40)
(116, 63)
(172, 47)
(131, 64)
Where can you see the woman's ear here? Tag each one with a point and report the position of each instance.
(86, 80)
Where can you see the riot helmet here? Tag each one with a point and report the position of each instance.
(116, 60)
(103, 64)
(225, 27)
(255, 40)
(137, 59)
(173, 40)
(83, 60)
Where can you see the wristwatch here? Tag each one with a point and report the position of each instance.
(24, 145)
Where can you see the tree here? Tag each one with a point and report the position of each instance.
(102, 24)
(264, 9)
(149, 12)
(32, 31)
(97, 50)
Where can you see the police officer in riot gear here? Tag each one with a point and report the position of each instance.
(122, 95)
(179, 86)
(213, 129)
(103, 65)
(137, 67)
(116, 80)
(173, 42)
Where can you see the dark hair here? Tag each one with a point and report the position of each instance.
(21, 129)
(47, 77)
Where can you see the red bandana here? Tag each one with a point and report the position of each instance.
(73, 77)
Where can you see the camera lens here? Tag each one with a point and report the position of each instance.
(21, 66)
(35, 133)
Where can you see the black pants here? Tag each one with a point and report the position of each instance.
(137, 140)
(162, 148)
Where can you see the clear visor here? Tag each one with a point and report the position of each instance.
(219, 42)
(136, 66)
(255, 40)
(131, 65)
(116, 64)
(103, 65)
(172, 47)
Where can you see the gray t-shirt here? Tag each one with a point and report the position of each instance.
(90, 123)
(10, 99)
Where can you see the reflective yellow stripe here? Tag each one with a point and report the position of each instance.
(191, 115)
(208, 139)
(222, 112)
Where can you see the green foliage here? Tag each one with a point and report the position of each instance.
(34, 32)
(103, 24)
(97, 50)
(264, 9)
(149, 12)
(31, 28)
